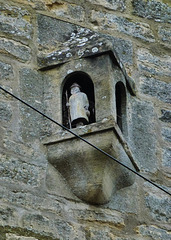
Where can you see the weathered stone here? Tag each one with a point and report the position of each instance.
(13, 170)
(6, 71)
(15, 22)
(142, 135)
(52, 32)
(156, 88)
(67, 11)
(159, 207)
(153, 65)
(166, 116)
(9, 216)
(166, 133)
(166, 158)
(32, 201)
(110, 4)
(154, 232)
(124, 49)
(10, 236)
(32, 88)
(152, 9)
(124, 25)
(165, 35)
(98, 233)
(15, 49)
(102, 216)
(5, 112)
(50, 226)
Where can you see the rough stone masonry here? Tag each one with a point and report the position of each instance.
(36, 205)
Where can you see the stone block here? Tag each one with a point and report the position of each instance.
(152, 9)
(154, 232)
(52, 32)
(164, 34)
(9, 216)
(159, 207)
(48, 225)
(166, 116)
(142, 135)
(110, 4)
(155, 88)
(103, 216)
(153, 65)
(167, 158)
(124, 49)
(5, 112)
(6, 71)
(124, 25)
(166, 133)
(11, 236)
(32, 88)
(15, 22)
(67, 11)
(15, 49)
(13, 170)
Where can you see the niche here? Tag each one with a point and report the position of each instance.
(87, 87)
(120, 93)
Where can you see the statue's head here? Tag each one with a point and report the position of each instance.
(75, 88)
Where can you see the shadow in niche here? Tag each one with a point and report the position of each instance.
(87, 87)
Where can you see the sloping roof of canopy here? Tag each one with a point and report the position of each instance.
(84, 44)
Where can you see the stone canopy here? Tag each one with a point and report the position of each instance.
(83, 44)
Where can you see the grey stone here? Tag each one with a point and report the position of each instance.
(10, 236)
(32, 88)
(110, 4)
(159, 207)
(166, 116)
(152, 9)
(52, 31)
(153, 65)
(165, 35)
(98, 233)
(49, 226)
(124, 49)
(154, 232)
(37, 201)
(12, 22)
(9, 216)
(124, 25)
(167, 158)
(5, 112)
(13, 170)
(142, 135)
(6, 71)
(156, 88)
(15, 49)
(166, 133)
(103, 216)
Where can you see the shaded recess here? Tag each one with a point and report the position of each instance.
(87, 87)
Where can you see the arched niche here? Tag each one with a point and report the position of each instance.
(120, 94)
(87, 86)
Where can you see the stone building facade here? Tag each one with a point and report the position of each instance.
(47, 191)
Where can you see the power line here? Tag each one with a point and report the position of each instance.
(100, 150)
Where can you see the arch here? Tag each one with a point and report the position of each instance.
(120, 93)
(87, 87)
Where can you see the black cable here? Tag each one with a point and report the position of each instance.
(100, 150)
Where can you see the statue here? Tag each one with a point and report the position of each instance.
(78, 106)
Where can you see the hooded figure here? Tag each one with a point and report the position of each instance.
(78, 105)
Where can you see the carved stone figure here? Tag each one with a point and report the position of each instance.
(78, 106)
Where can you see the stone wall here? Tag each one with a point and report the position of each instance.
(34, 206)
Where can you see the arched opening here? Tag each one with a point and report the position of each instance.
(120, 94)
(86, 87)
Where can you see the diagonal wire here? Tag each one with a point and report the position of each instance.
(76, 135)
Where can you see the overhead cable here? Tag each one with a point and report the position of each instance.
(92, 145)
